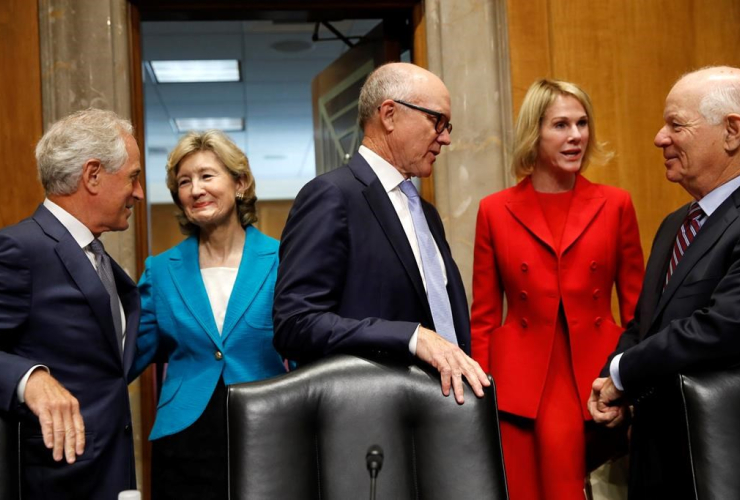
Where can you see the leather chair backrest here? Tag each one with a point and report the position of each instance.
(711, 405)
(8, 458)
(304, 435)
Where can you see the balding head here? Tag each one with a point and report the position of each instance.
(701, 134)
(405, 115)
(397, 81)
(714, 90)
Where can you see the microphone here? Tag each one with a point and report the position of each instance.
(374, 459)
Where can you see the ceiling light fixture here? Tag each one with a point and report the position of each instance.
(224, 124)
(212, 70)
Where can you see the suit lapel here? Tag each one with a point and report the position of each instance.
(185, 272)
(382, 208)
(586, 203)
(525, 208)
(129, 295)
(713, 228)
(254, 268)
(658, 266)
(82, 272)
(88, 281)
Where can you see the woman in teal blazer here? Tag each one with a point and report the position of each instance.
(207, 312)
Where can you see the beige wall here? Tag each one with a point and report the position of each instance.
(626, 54)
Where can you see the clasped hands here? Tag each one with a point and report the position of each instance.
(606, 403)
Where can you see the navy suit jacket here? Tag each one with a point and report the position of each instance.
(694, 324)
(348, 280)
(695, 321)
(55, 311)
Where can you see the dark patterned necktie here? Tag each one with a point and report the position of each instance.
(105, 271)
(686, 234)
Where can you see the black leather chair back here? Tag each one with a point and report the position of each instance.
(711, 404)
(8, 458)
(304, 435)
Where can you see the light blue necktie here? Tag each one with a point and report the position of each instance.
(439, 301)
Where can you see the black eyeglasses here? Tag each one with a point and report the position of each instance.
(442, 121)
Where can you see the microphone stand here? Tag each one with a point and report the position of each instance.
(374, 459)
(373, 476)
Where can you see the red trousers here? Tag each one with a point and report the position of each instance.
(545, 458)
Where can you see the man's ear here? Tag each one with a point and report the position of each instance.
(92, 172)
(732, 132)
(387, 113)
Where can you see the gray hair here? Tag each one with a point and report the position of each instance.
(390, 81)
(73, 140)
(720, 101)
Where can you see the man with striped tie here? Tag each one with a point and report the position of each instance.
(688, 315)
(364, 264)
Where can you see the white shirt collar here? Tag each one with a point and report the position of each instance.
(80, 232)
(718, 195)
(389, 177)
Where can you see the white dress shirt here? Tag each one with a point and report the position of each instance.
(391, 180)
(708, 204)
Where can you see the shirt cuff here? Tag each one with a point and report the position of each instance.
(614, 372)
(414, 339)
(21, 390)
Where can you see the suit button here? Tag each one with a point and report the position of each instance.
(597, 293)
(523, 295)
(597, 322)
(127, 429)
(218, 356)
(525, 267)
(593, 266)
(524, 323)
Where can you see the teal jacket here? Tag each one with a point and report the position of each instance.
(177, 327)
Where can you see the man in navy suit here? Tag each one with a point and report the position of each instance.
(688, 314)
(364, 264)
(69, 315)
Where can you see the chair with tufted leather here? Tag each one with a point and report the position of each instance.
(305, 435)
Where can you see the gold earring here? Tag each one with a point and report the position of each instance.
(239, 196)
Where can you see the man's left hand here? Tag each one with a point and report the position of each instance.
(453, 364)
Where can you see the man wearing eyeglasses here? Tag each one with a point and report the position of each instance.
(364, 264)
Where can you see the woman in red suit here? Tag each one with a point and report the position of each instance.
(554, 245)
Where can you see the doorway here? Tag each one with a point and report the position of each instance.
(268, 40)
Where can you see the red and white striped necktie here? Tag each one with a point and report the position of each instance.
(686, 234)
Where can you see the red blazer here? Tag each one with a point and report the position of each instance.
(514, 256)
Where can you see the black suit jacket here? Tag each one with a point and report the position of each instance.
(54, 311)
(348, 280)
(693, 324)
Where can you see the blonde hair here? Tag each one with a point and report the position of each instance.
(232, 158)
(539, 98)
